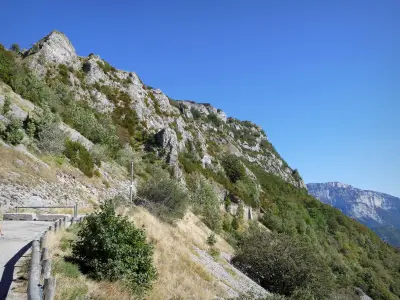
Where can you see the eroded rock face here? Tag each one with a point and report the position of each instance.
(168, 140)
(54, 48)
(181, 126)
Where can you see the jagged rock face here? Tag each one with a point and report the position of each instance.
(168, 140)
(54, 48)
(178, 123)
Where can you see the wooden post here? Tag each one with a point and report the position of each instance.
(72, 221)
(49, 288)
(55, 226)
(46, 268)
(34, 273)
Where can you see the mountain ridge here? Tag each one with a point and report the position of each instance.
(374, 209)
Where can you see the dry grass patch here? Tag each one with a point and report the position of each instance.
(16, 167)
(179, 276)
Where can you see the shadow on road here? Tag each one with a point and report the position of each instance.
(8, 272)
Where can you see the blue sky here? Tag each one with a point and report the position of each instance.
(321, 77)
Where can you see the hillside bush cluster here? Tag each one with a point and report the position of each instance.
(110, 247)
(168, 198)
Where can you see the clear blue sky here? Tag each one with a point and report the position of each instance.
(321, 77)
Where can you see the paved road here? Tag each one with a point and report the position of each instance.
(14, 243)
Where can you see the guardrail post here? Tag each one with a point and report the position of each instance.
(45, 254)
(43, 239)
(76, 210)
(49, 288)
(34, 273)
(46, 268)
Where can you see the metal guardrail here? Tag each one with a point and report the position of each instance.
(41, 285)
(75, 207)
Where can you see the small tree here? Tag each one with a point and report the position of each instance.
(168, 198)
(13, 134)
(211, 240)
(283, 264)
(111, 247)
(234, 169)
(15, 48)
(29, 126)
(6, 105)
(51, 138)
(79, 157)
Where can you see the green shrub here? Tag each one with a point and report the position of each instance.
(13, 133)
(214, 252)
(235, 223)
(6, 105)
(195, 113)
(111, 247)
(15, 48)
(29, 126)
(213, 118)
(234, 169)
(51, 139)
(211, 239)
(283, 265)
(168, 198)
(79, 157)
(227, 223)
(189, 162)
(207, 200)
(105, 66)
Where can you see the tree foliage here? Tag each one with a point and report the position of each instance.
(111, 247)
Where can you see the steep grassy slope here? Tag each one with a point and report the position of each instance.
(123, 120)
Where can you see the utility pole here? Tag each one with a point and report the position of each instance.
(131, 186)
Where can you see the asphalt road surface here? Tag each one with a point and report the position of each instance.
(16, 240)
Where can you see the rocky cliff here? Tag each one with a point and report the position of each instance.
(125, 111)
(178, 124)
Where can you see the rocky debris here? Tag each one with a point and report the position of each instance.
(66, 190)
(234, 281)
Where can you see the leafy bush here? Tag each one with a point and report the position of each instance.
(13, 133)
(213, 118)
(234, 169)
(51, 139)
(207, 200)
(168, 198)
(111, 247)
(105, 66)
(195, 113)
(15, 48)
(211, 239)
(6, 105)
(283, 265)
(79, 157)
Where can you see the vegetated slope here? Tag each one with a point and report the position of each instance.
(121, 119)
(378, 211)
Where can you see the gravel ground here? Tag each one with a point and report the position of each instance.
(231, 279)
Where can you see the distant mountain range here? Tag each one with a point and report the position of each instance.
(378, 211)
